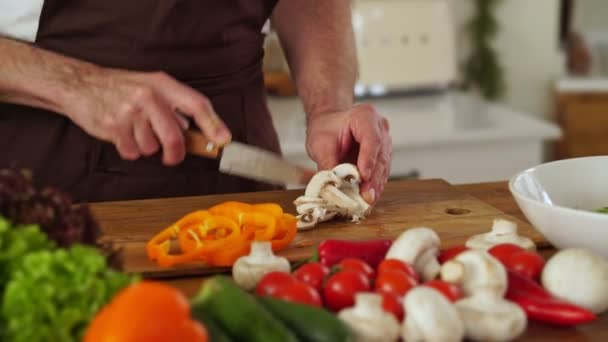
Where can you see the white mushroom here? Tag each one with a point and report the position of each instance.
(486, 314)
(368, 321)
(249, 269)
(430, 317)
(476, 271)
(311, 213)
(488, 317)
(330, 193)
(578, 276)
(351, 179)
(418, 247)
(503, 231)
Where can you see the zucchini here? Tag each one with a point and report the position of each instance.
(216, 333)
(310, 324)
(238, 313)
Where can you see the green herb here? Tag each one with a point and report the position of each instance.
(603, 210)
(482, 68)
(53, 294)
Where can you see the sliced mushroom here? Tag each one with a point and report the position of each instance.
(351, 179)
(488, 317)
(476, 271)
(330, 193)
(503, 231)
(430, 317)
(418, 247)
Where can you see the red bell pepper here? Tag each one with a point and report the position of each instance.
(372, 252)
(541, 306)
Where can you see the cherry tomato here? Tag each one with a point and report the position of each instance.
(397, 265)
(504, 250)
(395, 282)
(340, 289)
(526, 263)
(299, 292)
(451, 291)
(357, 265)
(271, 282)
(392, 304)
(450, 253)
(312, 274)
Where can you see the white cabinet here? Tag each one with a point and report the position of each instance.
(450, 136)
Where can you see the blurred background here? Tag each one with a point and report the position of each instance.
(475, 90)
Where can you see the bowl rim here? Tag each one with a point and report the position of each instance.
(590, 214)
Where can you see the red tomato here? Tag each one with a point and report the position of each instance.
(340, 289)
(451, 291)
(397, 265)
(271, 282)
(357, 265)
(504, 250)
(450, 253)
(395, 282)
(299, 292)
(312, 274)
(392, 304)
(526, 263)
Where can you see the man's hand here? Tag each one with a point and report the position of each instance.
(360, 136)
(137, 112)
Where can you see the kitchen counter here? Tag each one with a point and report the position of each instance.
(495, 194)
(453, 136)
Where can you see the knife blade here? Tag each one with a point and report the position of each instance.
(248, 161)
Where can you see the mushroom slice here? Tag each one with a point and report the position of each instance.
(430, 317)
(476, 271)
(320, 181)
(488, 317)
(309, 218)
(351, 179)
(418, 247)
(503, 231)
(310, 200)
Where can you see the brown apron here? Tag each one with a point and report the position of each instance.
(214, 46)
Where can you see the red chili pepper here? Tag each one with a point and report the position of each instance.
(372, 252)
(450, 253)
(540, 305)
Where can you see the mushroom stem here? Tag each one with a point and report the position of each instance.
(452, 271)
(334, 195)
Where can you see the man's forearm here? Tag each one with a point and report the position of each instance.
(319, 44)
(36, 77)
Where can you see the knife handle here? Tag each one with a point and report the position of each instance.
(198, 145)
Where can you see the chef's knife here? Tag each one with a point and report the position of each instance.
(248, 161)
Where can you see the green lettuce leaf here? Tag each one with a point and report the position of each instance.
(53, 294)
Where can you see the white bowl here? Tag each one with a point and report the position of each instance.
(559, 197)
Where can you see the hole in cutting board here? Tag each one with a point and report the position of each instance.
(457, 211)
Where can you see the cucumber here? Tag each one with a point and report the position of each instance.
(238, 313)
(310, 324)
(216, 333)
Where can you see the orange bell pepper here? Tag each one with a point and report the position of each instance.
(263, 226)
(223, 233)
(161, 243)
(234, 210)
(146, 312)
(272, 209)
(286, 232)
(210, 234)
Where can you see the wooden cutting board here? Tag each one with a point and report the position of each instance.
(454, 215)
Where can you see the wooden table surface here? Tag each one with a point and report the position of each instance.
(498, 195)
